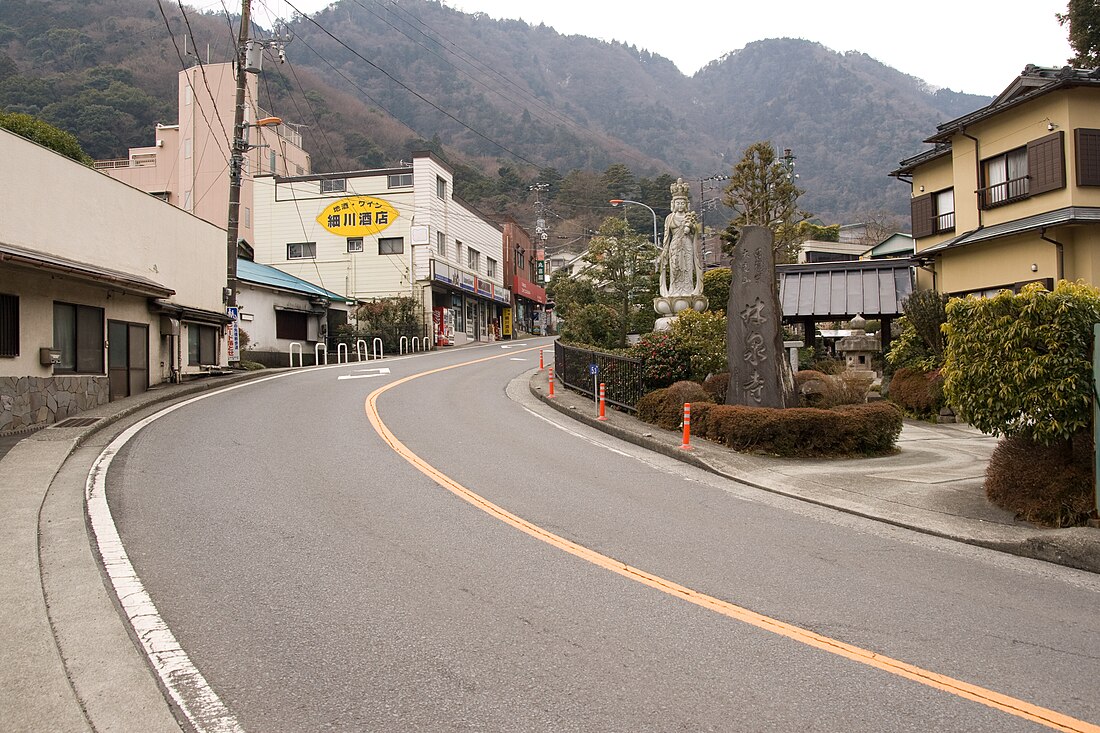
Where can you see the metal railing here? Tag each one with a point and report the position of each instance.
(622, 375)
(945, 222)
(1003, 193)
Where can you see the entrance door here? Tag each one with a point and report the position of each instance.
(127, 358)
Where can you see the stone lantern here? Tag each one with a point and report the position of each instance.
(859, 347)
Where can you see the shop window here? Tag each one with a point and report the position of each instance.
(9, 325)
(202, 344)
(301, 251)
(291, 325)
(78, 335)
(391, 245)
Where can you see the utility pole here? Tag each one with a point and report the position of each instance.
(238, 149)
(236, 160)
(541, 235)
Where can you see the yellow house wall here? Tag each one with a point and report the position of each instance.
(934, 176)
(995, 264)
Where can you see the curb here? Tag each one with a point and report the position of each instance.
(1077, 548)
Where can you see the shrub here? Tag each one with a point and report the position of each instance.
(716, 288)
(663, 361)
(702, 336)
(665, 407)
(815, 389)
(1050, 485)
(716, 386)
(868, 429)
(1022, 364)
(828, 365)
(926, 312)
(918, 392)
(910, 351)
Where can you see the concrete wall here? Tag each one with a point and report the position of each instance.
(58, 207)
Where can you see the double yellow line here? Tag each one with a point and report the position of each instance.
(1013, 706)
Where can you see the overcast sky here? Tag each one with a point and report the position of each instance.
(976, 46)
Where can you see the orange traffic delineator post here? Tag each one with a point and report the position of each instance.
(687, 427)
(541, 367)
(603, 397)
(551, 394)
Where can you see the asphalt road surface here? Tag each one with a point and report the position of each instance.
(471, 561)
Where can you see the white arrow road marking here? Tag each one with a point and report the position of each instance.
(377, 373)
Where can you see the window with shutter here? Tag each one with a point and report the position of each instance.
(924, 214)
(1087, 144)
(1046, 163)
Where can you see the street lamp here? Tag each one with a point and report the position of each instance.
(617, 202)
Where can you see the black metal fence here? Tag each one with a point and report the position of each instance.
(621, 375)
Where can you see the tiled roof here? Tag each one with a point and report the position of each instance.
(1058, 217)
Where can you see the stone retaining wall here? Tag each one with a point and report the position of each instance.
(35, 401)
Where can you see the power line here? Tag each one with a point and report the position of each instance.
(416, 94)
(183, 65)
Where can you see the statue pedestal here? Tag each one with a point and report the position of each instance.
(672, 305)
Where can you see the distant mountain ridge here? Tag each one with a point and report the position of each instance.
(494, 95)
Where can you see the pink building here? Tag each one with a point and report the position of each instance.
(188, 164)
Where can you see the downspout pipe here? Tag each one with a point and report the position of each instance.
(977, 170)
(1061, 255)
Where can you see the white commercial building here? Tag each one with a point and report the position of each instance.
(388, 233)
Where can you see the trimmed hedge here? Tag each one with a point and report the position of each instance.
(1049, 485)
(849, 430)
(665, 407)
(867, 429)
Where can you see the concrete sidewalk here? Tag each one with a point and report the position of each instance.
(934, 484)
(67, 662)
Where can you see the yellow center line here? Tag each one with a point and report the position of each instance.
(1013, 706)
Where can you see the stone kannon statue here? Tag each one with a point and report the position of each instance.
(681, 262)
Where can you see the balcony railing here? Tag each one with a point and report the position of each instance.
(945, 222)
(142, 160)
(1006, 192)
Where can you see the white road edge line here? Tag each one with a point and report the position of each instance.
(185, 684)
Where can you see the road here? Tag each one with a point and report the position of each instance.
(348, 550)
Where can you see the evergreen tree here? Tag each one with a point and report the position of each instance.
(45, 135)
(621, 266)
(762, 191)
(1083, 19)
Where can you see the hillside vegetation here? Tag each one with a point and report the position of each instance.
(508, 103)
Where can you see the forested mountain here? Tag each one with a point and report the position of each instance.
(508, 103)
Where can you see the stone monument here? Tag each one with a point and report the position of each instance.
(681, 262)
(759, 374)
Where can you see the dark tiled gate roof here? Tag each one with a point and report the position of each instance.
(834, 291)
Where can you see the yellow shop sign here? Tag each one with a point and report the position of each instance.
(357, 216)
